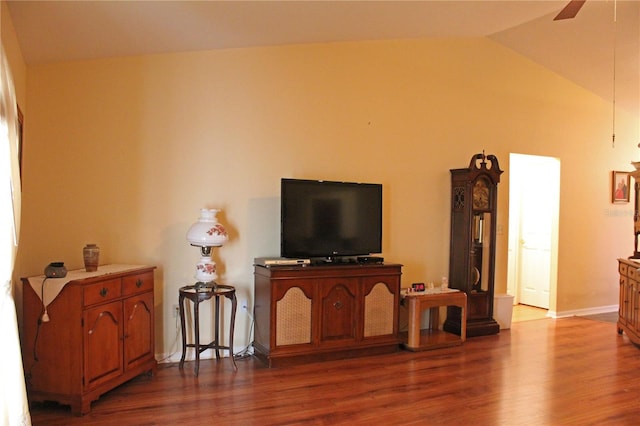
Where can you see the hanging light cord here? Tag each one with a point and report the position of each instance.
(615, 20)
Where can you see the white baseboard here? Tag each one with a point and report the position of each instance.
(583, 312)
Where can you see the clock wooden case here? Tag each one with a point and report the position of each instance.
(474, 194)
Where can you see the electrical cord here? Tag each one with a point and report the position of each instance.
(247, 352)
(42, 317)
(174, 346)
(45, 314)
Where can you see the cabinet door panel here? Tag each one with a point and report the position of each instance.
(635, 305)
(339, 311)
(629, 290)
(138, 329)
(102, 344)
(293, 313)
(624, 301)
(381, 298)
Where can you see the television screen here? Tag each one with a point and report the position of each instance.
(330, 219)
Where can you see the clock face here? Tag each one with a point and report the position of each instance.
(480, 195)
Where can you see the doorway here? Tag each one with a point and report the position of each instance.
(534, 193)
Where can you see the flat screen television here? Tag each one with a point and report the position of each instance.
(332, 220)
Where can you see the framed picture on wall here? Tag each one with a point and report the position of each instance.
(620, 187)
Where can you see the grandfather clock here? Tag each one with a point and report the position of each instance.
(472, 256)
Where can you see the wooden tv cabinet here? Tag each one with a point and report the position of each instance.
(316, 313)
(100, 333)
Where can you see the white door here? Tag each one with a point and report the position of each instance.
(533, 215)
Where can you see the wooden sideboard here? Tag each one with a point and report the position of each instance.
(315, 313)
(629, 308)
(100, 334)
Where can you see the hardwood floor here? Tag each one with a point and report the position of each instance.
(527, 313)
(544, 372)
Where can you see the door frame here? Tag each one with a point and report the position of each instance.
(521, 166)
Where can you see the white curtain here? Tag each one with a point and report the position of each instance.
(14, 407)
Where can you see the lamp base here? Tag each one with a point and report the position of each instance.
(205, 270)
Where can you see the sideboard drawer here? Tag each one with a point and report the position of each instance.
(632, 273)
(137, 283)
(102, 292)
(623, 269)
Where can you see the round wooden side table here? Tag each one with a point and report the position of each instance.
(199, 293)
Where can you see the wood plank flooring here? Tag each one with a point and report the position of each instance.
(527, 313)
(543, 372)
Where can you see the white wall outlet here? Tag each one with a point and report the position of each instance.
(244, 305)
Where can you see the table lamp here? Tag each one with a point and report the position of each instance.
(206, 233)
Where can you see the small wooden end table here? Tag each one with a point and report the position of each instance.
(433, 338)
(197, 294)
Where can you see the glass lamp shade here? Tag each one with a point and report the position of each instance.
(207, 232)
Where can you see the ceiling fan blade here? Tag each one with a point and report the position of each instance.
(570, 10)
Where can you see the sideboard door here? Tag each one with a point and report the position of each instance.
(102, 344)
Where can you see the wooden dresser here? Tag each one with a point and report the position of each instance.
(100, 333)
(317, 313)
(629, 309)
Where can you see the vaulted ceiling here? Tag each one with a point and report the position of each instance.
(581, 49)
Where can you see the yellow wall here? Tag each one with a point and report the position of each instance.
(14, 55)
(124, 152)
